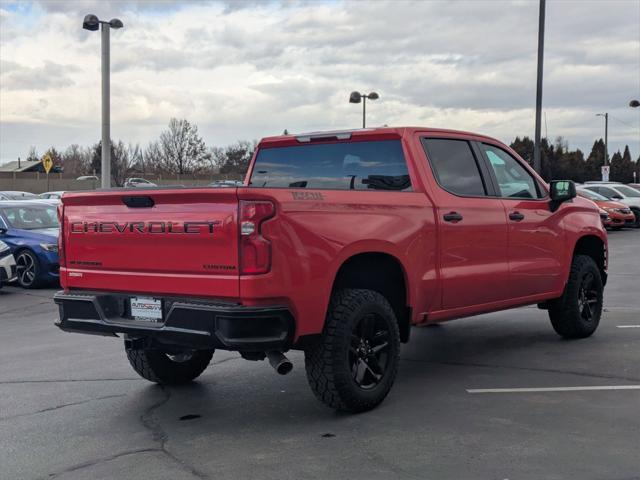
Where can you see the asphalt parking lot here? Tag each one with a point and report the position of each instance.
(72, 408)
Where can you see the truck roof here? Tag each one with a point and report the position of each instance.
(377, 133)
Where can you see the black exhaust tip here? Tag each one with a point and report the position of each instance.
(279, 362)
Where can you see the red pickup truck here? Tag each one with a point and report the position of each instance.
(335, 244)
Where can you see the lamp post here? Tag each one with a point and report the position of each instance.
(634, 104)
(356, 97)
(92, 23)
(537, 162)
(606, 137)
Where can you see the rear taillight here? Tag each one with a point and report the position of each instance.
(255, 250)
(61, 234)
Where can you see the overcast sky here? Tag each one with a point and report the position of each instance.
(243, 70)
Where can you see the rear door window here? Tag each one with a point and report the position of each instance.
(454, 166)
(378, 165)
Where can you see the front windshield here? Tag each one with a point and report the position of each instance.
(593, 195)
(628, 191)
(31, 217)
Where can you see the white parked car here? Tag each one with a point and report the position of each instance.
(620, 193)
(226, 183)
(138, 183)
(8, 271)
(51, 195)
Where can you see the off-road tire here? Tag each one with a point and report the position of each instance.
(156, 366)
(327, 361)
(566, 313)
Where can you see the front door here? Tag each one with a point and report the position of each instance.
(536, 240)
(472, 227)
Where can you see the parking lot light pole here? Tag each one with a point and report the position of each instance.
(606, 135)
(356, 97)
(92, 23)
(635, 104)
(537, 162)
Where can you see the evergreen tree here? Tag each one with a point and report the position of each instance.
(524, 148)
(622, 166)
(595, 161)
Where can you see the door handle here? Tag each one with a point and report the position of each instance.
(516, 216)
(452, 217)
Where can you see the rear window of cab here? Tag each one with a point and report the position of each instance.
(374, 165)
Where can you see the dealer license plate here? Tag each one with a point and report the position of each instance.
(144, 308)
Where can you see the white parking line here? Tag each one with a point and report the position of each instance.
(553, 389)
(628, 326)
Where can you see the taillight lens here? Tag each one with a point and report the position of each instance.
(61, 234)
(255, 250)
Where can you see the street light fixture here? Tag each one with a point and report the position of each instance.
(356, 97)
(92, 23)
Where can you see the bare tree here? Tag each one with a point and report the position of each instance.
(152, 158)
(120, 162)
(235, 158)
(76, 160)
(33, 156)
(136, 158)
(183, 150)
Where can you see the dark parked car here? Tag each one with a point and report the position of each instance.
(30, 228)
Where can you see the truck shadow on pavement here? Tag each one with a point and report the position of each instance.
(235, 393)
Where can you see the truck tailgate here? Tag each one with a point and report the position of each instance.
(177, 241)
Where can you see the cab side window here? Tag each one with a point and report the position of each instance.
(454, 166)
(514, 181)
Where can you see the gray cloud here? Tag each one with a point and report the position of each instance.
(15, 76)
(245, 68)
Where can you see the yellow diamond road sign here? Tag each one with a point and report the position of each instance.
(47, 162)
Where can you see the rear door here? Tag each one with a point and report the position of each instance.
(182, 242)
(472, 226)
(536, 239)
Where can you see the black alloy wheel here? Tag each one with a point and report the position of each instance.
(588, 297)
(27, 268)
(369, 351)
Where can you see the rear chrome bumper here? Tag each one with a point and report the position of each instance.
(188, 323)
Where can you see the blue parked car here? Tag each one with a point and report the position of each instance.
(31, 228)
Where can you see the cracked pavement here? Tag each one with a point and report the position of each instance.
(72, 408)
